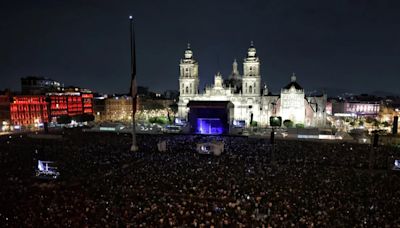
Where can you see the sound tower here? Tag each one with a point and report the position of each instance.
(272, 137)
(376, 140)
(395, 125)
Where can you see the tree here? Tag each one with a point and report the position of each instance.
(369, 120)
(77, 118)
(299, 125)
(83, 118)
(288, 123)
(87, 117)
(385, 124)
(64, 119)
(254, 124)
(153, 106)
(174, 107)
(158, 120)
(375, 123)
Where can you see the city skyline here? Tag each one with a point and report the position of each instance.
(350, 46)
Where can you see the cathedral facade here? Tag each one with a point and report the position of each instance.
(252, 102)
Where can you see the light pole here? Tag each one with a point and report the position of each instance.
(133, 89)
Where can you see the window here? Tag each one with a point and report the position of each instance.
(250, 89)
(187, 89)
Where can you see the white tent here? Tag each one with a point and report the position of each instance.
(162, 146)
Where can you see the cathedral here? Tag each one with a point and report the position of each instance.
(252, 102)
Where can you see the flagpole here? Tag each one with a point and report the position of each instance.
(133, 90)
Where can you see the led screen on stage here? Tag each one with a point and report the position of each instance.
(209, 126)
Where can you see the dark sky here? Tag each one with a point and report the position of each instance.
(352, 45)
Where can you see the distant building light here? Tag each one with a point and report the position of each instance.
(345, 114)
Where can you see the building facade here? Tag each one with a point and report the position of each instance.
(5, 117)
(252, 101)
(69, 103)
(28, 111)
(34, 110)
(356, 108)
(119, 109)
(39, 85)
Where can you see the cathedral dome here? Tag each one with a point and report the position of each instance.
(188, 52)
(251, 52)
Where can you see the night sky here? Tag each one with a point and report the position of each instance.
(336, 45)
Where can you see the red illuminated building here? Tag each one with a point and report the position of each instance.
(5, 97)
(29, 110)
(87, 103)
(32, 110)
(58, 104)
(70, 103)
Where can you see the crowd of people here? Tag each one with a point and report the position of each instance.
(252, 184)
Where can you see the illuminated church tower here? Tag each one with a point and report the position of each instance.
(188, 81)
(189, 74)
(251, 73)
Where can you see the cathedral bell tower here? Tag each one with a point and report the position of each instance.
(189, 74)
(251, 73)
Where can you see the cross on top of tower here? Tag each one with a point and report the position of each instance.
(293, 77)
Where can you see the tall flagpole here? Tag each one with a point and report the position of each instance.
(133, 90)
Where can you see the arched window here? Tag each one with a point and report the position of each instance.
(187, 89)
(250, 89)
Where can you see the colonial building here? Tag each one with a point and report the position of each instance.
(70, 103)
(29, 110)
(119, 109)
(252, 103)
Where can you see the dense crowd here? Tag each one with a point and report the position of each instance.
(252, 184)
